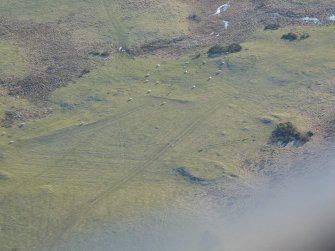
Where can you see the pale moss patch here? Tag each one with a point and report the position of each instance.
(14, 60)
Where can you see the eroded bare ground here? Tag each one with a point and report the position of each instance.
(55, 57)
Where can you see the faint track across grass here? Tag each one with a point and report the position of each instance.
(109, 122)
(77, 214)
(122, 38)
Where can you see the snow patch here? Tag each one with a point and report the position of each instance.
(226, 24)
(311, 20)
(222, 8)
(275, 14)
(331, 18)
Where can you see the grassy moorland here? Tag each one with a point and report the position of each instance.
(109, 149)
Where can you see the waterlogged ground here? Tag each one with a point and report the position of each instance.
(104, 160)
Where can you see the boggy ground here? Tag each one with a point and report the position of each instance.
(106, 152)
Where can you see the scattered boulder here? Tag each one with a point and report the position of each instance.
(218, 50)
(220, 63)
(194, 18)
(182, 171)
(289, 37)
(272, 27)
(286, 133)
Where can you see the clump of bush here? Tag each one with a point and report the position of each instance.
(272, 27)
(104, 54)
(285, 133)
(182, 171)
(218, 50)
(304, 36)
(290, 36)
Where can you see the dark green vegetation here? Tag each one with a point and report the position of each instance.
(182, 171)
(98, 54)
(304, 36)
(272, 27)
(292, 36)
(218, 50)
(289, 37)
(286, 133)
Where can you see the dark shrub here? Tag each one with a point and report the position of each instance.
(218, 50)
(304, 36)
(286, 133)
(196, 56)
(272, 27)
(94, 53)
(289, 36)
(104, 55)
(83, 72)
(182, 171)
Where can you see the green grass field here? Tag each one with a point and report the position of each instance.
(102, 158)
